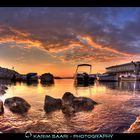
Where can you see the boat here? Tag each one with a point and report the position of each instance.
(108, 77)
(129, 78)
(84, 78)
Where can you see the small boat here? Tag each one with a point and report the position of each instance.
(83, 77)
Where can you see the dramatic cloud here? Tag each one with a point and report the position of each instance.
(73, 34)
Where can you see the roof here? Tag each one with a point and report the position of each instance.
(84, 65)
(123, 64)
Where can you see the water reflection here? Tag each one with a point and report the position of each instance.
(85, 89)
(114, 113)
(5, 82)
(124, 85)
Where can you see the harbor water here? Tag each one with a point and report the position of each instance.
(118, 106)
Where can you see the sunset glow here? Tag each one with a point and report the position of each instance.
(56, 40)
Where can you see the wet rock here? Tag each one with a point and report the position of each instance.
(47, 78)
(68, 109)
(135, 127)
(4, 87)
(83, 104)
(1, 108)
(68, 98)
(2, 92)
(72, 104)
(11, 130)
(17, 105)
(52, 104)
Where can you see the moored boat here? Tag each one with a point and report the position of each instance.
(83, 77)
(129, 78)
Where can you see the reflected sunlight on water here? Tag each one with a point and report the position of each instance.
(119, 105)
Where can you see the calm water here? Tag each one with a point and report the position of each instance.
(119, 105)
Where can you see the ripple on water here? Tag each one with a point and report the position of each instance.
(115, 112)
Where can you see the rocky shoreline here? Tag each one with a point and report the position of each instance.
(135, 127)
(69, 104)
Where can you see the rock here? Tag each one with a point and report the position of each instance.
(68, 98)
(4, 87)
(2, 91)
(72, 104)
(52, 104)
(83, 104)
(135, 127)
(1, 108)
(47, 78)
(8, 73)
(11, 130)
(68, 109)
(17, 105)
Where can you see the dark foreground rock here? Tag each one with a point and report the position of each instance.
(69, 104)
(4, 87)
(72, 104)
(52, 104)
(1, 108)
(2, 92)
(9, 129)
(68, 98)
(17, 105)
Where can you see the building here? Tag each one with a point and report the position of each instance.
(127, 71)
(127, 68)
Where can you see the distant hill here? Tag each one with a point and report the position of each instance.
(7, 73)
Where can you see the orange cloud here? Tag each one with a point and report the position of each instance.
(89, 41)
(28, 43)
(18, 32)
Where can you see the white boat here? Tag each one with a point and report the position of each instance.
(108, 77)
(129, 78)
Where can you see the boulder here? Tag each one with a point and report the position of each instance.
(135, 127)
(1, 107)
(17, 105)
(2, 91)
(68, 109)
(52, 104)
(72, 104)
(67, 98)
(47, 78)
(67, 101)
(83, 104)
(4, 87)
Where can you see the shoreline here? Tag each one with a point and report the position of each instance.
(135, 126)
(132, 128)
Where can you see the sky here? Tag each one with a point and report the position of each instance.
(57, 39)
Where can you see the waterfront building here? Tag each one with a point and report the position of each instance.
(127, 71)
(127, 68)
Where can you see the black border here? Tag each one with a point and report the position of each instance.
(69, 3)
(116, 136)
